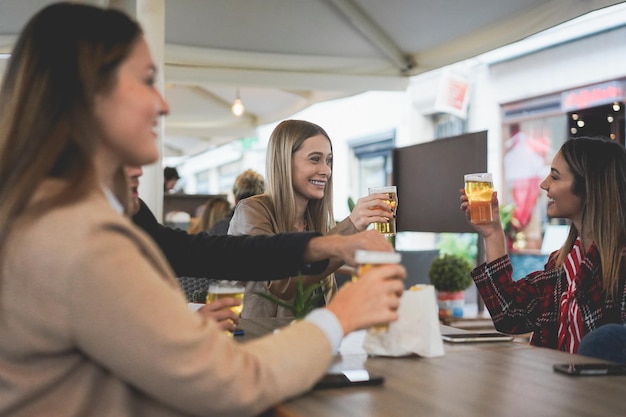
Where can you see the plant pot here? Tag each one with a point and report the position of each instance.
(450, 303)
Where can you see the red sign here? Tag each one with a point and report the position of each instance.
(593, 96)
(453, 94)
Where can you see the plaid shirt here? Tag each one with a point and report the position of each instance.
(532, 303)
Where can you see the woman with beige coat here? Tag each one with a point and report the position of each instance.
(92, 321)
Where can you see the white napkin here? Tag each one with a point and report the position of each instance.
(415, 332)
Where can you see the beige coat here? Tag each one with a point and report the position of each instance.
(93, 323)
(256, 216)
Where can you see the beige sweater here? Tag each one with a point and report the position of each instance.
(92, 323)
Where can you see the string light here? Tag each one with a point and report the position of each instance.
(237, 108)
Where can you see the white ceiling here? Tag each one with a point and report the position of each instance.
(285, 55)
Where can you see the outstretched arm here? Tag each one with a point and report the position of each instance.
(241, 258)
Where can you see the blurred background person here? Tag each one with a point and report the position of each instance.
(170, 178)
(247, 184)
(217, 208)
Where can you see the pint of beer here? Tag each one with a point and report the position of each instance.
(479, 189)
(226, 289)
(367, 260)
(388, 229)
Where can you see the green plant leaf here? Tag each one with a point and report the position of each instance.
(304, 300)
(350, 204)
(464, 245)
(450, 273)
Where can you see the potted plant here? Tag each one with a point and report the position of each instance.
(450, 275)
(304, 300)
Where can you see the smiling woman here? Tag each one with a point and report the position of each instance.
(77, 104)
(583, 284)
(299, 168)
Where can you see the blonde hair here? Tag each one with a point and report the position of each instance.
(65, 56)
(599, 169)
(286, 139)
(214, 210)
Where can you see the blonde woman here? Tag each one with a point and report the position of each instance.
(298, 198)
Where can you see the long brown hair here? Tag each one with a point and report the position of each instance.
(215, 210)
(599, 169)
(286, 139)
(65, 55)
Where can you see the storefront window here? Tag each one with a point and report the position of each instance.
(447, 125)
(374, 163)
(529, 148)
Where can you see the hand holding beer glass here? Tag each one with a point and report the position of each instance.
(219, 289)
(387, 229)
(479, 190)
(367, 260)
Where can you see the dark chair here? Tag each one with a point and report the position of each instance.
(191, 284)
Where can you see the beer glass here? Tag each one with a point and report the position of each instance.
(388, 229)
(479, 189)
(223, 289)
(368, 260)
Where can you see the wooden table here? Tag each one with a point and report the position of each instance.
(489, 379)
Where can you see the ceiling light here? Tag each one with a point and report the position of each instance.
(580, 123)
(237, 108)
(616, 106)
(574, 116)
(609, 118)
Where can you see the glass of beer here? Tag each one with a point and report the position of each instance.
(226, 289)
(366, 261)
(479, 189)
(388, 229)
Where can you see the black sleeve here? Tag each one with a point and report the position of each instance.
(244, 258)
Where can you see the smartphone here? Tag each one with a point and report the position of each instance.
(349, 378)
(590, 369)
(476, 337)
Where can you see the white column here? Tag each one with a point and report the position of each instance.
(151, 15)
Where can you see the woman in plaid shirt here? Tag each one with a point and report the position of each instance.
(582, 286)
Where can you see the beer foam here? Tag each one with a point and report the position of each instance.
(478, 177)
(387, 189)
(225, 290)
